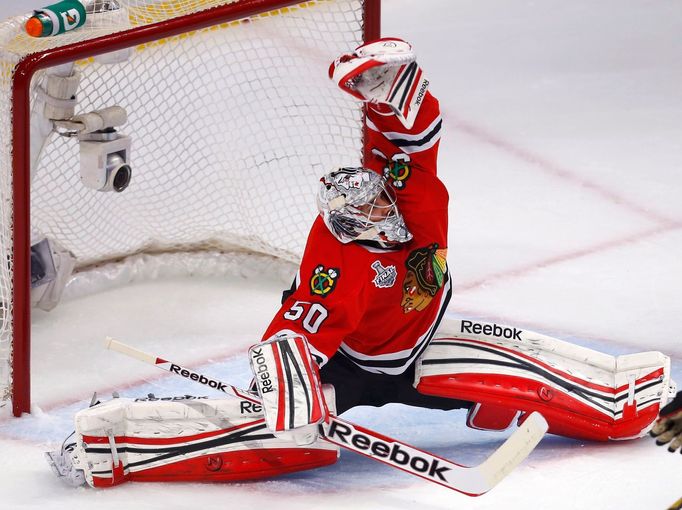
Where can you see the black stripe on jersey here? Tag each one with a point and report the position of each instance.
(401, 142)
(418, 349)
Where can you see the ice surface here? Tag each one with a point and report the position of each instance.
(562, 155)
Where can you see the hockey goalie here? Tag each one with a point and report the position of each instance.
(359, 327)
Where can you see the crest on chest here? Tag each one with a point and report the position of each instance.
(385, 277)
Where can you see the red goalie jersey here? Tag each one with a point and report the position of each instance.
(379, 308)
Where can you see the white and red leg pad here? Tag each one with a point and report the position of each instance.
(186, 440)
(581, 393)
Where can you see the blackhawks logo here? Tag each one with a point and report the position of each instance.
(426, 274)
(323, 280)
(398, 170)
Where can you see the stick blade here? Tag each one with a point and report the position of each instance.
(514, 450)
(114, 345)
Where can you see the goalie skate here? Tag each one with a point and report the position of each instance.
(62, 464)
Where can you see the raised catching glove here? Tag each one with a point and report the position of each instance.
(383, 72)
(668, 428)
(289, 386)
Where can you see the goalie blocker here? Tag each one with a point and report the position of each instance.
(509, 373)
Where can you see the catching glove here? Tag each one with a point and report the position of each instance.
(383, 72)
(668, 427)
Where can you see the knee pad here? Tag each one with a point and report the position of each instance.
(509, 373)
(185, 439)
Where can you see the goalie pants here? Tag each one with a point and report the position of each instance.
(356, 387)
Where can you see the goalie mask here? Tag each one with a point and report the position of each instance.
(356, 205)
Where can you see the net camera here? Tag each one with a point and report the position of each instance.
(104, 160)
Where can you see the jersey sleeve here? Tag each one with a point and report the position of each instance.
(326, 302)
(408, 157)
(420, 143)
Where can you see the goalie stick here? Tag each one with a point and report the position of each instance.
(469, 480)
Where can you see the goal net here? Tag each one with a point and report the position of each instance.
(231, 117)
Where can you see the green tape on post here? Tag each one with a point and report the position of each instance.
(56, 19)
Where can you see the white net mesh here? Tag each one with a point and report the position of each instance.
(231, 127)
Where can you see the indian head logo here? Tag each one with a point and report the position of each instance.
(323, 280)
(426, 270)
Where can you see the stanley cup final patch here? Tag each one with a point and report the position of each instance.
(385, 277)
(323, 281)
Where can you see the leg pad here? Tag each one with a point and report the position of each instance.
(581, 393)
(185, 440)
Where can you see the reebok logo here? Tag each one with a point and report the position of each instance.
(491, 330)
(421, 93)
(246, 407)
(398, 456)
(201, 379)
(153, 398)
(260, 369)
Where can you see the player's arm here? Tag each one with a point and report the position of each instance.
(403, 118)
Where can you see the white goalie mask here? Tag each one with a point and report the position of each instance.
(356, 205)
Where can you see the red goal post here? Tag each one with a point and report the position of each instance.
(179, 20)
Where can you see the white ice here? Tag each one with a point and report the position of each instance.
(562, 155)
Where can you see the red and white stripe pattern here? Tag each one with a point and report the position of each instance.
(582, 393)
(288, 383)
(474, 480)
(404, 95)
(412, 143)
(161, 456)
(405, 91)
(185, 440)
(460, 356)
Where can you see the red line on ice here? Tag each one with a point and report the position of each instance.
(565, 257)
(549, 167)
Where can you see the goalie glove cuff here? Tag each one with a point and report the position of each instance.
(383, 72)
